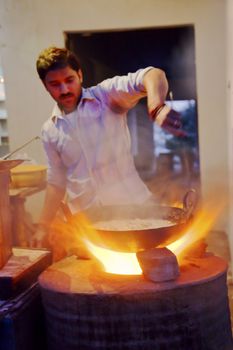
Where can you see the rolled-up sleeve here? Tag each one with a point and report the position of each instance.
(124, 91)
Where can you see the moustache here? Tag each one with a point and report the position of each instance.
(69, 94)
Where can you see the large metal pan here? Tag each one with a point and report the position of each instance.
(135, 240)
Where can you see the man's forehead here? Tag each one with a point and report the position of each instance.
(60, 73)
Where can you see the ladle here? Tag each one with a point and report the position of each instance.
(8, 155)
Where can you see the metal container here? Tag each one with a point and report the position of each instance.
(135, 240)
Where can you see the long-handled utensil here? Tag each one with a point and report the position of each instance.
(8, 155)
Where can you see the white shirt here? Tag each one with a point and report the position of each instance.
(89, 151)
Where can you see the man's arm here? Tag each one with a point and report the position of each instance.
(53, 198)
(156, 85)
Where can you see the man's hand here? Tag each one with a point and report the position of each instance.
(40, 238)
(168, 119)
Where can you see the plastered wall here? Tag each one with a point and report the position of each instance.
(26, 27)
(229, 57)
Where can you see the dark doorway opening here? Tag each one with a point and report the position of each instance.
(158, 155)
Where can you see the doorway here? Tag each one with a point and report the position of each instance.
(166, 163)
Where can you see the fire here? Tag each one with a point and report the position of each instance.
(116, 262)
(126, 263)
(204, 221)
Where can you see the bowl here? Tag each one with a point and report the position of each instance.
(28, 175)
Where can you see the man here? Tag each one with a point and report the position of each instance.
(86, 139)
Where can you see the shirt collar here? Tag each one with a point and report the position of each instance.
(57, 113)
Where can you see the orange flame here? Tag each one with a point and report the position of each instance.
(126, 263)
(204, 221)
(116, 262)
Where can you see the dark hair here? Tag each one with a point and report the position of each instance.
(54, 58)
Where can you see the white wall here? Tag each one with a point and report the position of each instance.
(28, 26)
(229, 11)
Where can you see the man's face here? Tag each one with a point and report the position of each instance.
(65, 86)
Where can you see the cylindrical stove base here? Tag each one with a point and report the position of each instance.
(89, 310)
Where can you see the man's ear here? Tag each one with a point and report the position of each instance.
(80, 74)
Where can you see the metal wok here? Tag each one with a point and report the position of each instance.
(135, 240)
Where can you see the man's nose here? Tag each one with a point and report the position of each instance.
(64, 88)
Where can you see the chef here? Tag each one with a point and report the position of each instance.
(86, 138)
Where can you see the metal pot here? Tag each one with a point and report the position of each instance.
(135, 240)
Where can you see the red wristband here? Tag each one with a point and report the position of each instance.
(156, 111)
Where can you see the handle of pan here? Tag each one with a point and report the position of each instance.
(189, 203)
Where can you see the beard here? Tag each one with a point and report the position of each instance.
(67, 102)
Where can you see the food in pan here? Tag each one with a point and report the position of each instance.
(132, 224)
